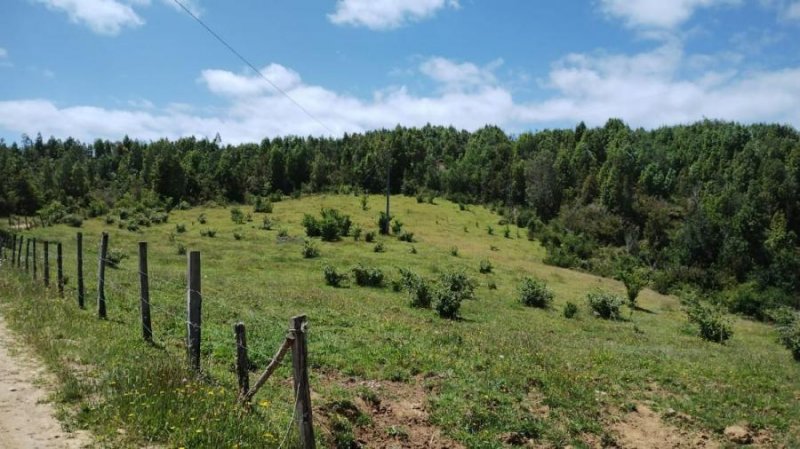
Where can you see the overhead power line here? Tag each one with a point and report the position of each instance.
(249, 64)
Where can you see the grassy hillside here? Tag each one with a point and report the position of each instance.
(501, 375)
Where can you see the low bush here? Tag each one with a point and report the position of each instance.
(266, 224)
(454, 251)
(356, 233)
(74, 220)
(237, 216)
(367, 277)
(406, 237)
(790, 336)
(283, 233)
(535, 293)
(413, 250)
(208, 233)
(110, 220)
(711, 321)
(492, 285)
(485, 266)
(383, 223)
(238, 235)
(507, 232)
(379, 248)
(310, 249)
(570, 310)
(159, 217)
(489, 230)
(114, 257)
(452, 289)
(369, 237)
(131, 225)
(183, 205)
(202, 219)
(181, 249)
(397, 227)
(332, 277)
(419, 291)
(180, 228)
(604, 304)
(261, 205)
(331, 226)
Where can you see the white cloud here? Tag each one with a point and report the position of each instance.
(101, 16)
(793, 11)
(386, 14)
(191, 5)
(459, 76)
(661, 14)
(648, 89)
(3, 53)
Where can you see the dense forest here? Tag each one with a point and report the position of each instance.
(712, 205)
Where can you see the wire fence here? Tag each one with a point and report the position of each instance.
(126, 290)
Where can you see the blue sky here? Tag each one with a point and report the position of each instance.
(107, 68)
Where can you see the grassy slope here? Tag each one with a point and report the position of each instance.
(484, 369)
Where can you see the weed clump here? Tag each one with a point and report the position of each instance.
(535, 293)
(310, 249)
(379, 248)
(452, 289)
(367, 277)
(202, 219)
(114, 257)
(331, 226)
(180, 228)
(454, 251)
(261, 205)
(406, 237)
(332, 277)
(485, 266)
(369, 237)
(238, 235)
(237, 216)
(604, 304)
(383, 223)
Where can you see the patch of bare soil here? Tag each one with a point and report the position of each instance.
(398, 416)
(26, 419)
(645, 429)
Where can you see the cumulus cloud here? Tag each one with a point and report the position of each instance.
(386, 14)
(648, 89)
(659, 14)
(107, 17)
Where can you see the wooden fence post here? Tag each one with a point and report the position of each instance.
(193, 308)
(13, 248)
(101, 277)
(19, 252)
(242, 362)
(302, 391)
(27, 254)
(34, 259)
(144, 290)
(81, 297)
(60, 268)
(46, 260)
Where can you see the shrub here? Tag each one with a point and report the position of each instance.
(507, 232)
(369, 237)
(331, 226)
(159, 217)
(452, 289)
(383, 223)
(634, 283)
(114, 257)
(261, 205)
(131, 225)
(379, 248)
(454, 251)
(368, 277)
(364, 202)
(535, 293)
(489, 230)
(406, 237)
(180, 228)
(266, 224)
(356, 233)
(332, 277)
(413, 250)
(202, 219)
(711, 322)
(237, 216)
(419, 291)
(276, 197)
(605, 305)
(462, 206)
(420, 199)
(181, 249)
(208, 233)
(141, 219)
(238, 235)
(283, 233)
(310, 249)
(535, 226)
(485, 267)
(570, 309)
(790, 336)
(183, 205)
(492, 285)
(397, 227)
(110, 220)
(74, 220)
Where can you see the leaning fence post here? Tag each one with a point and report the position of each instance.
(60, 268)
(242, 362)
(80, 270)
(46, 263)
(144, 289)
(34, 259)
(193, 306)
(27, 254)
(13, 248)
(101, 277)
(298, 326)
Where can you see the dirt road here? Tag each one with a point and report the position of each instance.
(26, 420)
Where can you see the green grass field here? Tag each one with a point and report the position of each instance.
(500, 371)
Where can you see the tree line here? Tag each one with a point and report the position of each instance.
(712, 205)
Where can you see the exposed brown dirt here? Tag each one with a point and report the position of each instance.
(398, 415)
(645, 429)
